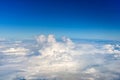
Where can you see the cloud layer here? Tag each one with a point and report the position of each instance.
(49, 59)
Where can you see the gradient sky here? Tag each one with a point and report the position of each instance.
(91, 19)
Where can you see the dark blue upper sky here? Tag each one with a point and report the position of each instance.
(94, 19)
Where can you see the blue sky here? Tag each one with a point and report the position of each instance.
(91, 19)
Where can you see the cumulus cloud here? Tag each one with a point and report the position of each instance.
(41, 39)
(60, 60)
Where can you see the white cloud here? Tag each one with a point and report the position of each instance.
(41, 39)
(91, 70)
(16, 51)
(57, 58)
